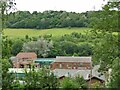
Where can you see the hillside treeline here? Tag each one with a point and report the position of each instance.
(48, 19)
(74, 44)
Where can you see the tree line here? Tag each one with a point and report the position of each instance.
(106, 53)
(48, 19)
(74, 44)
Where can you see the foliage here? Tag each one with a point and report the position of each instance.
(47, 19)
(41, 47)
(6, 47)
(68, 44)
(114, 81)
(97, 85)
(68, 47)
(68, 83)
(5, 6)
(16, 47)
(40, 79)
(81, 82)
(7, 78)
(85, 50)
(106, 52)
(73, 83)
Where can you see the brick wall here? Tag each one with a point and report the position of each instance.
(71, 65)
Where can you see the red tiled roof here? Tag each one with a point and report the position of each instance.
(26, 55)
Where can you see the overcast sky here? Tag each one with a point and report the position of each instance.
(66, 5)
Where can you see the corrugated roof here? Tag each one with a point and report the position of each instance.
(26, 55)
(72, 59)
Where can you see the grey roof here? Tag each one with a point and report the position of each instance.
(71, 72)
(76, 72)
(72, 59)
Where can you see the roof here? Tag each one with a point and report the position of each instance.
(26, 55)
(94, 72)
(75, 72)
(95, 77)
(38, 60)
(70, 72)
(72, 59)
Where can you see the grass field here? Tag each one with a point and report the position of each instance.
(56, 32)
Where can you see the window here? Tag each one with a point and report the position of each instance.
(57, 66)
(74, 65)
(70, 65)
(67, 65)
(81, 64)
(60, 65)
(21, 65)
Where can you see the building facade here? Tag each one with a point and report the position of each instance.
(65, 62)
(25, 60)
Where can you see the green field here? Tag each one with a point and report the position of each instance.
(56, 32)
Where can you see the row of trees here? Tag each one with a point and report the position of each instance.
(66, 45)
(48, 19)
(106, 53)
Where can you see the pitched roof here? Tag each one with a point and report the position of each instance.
(72, 59)
(26, 55)
(99, 78)
(71, 72)
(75, 72)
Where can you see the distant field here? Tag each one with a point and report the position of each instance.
(56, 32)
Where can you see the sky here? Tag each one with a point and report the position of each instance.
(57, 5)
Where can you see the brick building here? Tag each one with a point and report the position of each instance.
(25, 59)
(68, 62)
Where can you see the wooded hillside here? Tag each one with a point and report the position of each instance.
(48, 19)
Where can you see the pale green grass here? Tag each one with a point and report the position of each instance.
(56, 32)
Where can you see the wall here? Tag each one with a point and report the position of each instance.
(70, 65)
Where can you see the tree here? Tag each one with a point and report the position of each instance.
(68, 83)
(16, 47)
(73, 83)
(7, 78)
(41, 47)
(85, 50)
(6, 47)
(81, 82)
(68, 47)
(47, 19)
(5, 6)
(115, 75)
(40, 79)
(106, 52)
